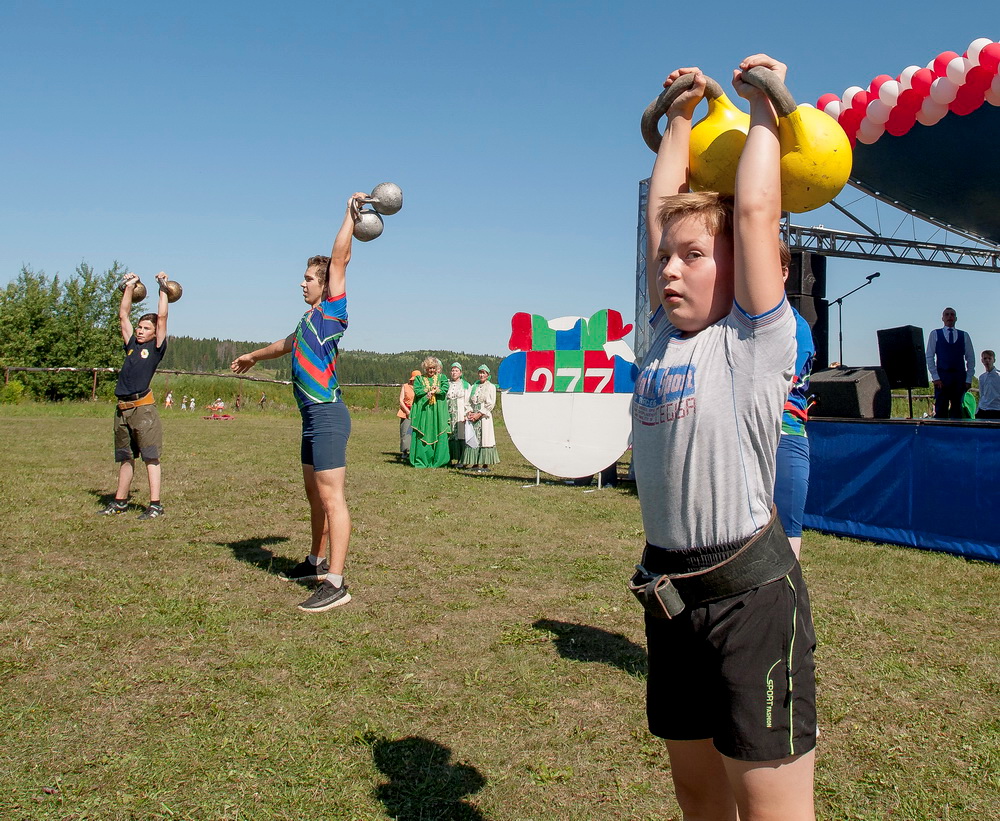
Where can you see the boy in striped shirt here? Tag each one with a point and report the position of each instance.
(326, 423)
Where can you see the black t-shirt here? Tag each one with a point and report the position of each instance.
(139, 366)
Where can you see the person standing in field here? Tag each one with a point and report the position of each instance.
(731, 683)
(405, 427)
(138, 431)
(458, 390)
(326, 423)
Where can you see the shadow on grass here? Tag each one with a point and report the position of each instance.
(104, 498)
(581, 642)
(423, 784)
(255, 552)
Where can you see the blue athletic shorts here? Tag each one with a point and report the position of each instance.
(326, 427)
(791, 482)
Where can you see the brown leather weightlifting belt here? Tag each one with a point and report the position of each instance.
(667, 581)
(136, 400)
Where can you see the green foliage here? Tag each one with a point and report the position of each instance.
(11, 393)
(48, 323)
(185, 353)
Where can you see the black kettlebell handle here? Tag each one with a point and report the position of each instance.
(763, 78)
(650, 123)
(768, 82)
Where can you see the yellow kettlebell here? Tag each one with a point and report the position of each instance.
(815, 152)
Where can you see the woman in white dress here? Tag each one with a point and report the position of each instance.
(480, 439)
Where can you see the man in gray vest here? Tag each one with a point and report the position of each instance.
(951, 360)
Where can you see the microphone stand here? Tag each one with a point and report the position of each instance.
(839, 302)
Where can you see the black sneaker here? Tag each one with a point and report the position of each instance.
(114, 508)
(152, 512)
(326, 598)
(306, 571)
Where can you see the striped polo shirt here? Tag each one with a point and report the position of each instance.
(314, 353)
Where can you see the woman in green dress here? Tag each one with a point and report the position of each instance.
(429, 417)
(480, 438)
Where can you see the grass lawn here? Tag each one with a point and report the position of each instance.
(491, 665)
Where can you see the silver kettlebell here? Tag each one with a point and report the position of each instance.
(386, 198)
(368, 226)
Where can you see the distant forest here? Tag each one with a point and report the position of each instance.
(185, 353)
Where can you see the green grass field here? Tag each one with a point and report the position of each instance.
(491, 665)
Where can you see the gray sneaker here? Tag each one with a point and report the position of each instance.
(306, 571)
(152, 512)
(114, 508)
(326, 598)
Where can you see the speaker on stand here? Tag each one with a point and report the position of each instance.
(902, 356)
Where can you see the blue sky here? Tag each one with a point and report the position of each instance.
(219, 142)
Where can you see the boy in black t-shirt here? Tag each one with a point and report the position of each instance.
(137, 424)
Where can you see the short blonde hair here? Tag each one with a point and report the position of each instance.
(428, 361)
(715, 209)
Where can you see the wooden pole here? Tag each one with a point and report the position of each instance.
(93, 390)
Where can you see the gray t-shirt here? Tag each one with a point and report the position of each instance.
(706, 419)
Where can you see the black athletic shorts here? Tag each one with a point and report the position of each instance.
(326, 427)
(739, 671)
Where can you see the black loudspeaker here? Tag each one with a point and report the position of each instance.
(901, 353)
(806, 289)
(851, 393)
(807, 275)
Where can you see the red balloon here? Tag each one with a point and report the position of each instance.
(850, 119)
(979, 77)
(860, 101)
(921, 81)
(941, 62)
(967, 100)
(825, 100)
(910, 100)
(876, 83)
(989, 57)
(900, 121)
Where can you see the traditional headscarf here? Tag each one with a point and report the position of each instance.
(483, 368)
(456, 365)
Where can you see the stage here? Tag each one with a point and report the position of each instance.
(920, 483)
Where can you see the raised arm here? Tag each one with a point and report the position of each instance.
(757, 210)
(161, 310)
(244, 363)
(125, 308)
(670, 170)
(340, 256)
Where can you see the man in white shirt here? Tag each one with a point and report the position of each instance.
(989, 388)
(951, 362)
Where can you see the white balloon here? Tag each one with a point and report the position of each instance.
(929, 119)
(977, 46)
(993, 92)
(943, 90)
(906, 75)
(833, 108)
(932, 109)
(869, 131)
(888, 92)
(849, 95)
(878, 112)
(958, 67)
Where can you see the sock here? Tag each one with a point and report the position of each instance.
(121, 502)
(335, 580)
(315, 560)
(157, 503)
